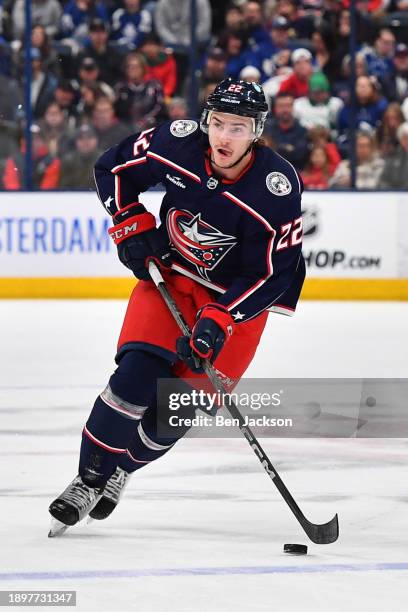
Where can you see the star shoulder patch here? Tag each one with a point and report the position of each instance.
(278, 184)
(183, 127)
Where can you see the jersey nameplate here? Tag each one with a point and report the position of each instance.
(278, 184)
(183, 127)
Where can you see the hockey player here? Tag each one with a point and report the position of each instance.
(229, 246)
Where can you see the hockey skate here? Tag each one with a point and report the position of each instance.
(111, 496)
(72, 506)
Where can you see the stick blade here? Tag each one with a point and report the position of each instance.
(322, 534)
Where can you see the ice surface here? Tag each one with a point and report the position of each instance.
(203, 528)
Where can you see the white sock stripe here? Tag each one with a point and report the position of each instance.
(150, 443)
(100, 443)
(136, 460)
(116, 403)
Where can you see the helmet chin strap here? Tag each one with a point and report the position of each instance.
(249, 148)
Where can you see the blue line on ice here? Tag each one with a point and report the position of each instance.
(205, 571)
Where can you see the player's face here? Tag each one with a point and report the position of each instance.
(230, 136)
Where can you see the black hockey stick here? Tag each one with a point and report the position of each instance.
(319, 534)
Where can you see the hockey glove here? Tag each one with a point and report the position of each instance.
(214, 326)
(136, 237)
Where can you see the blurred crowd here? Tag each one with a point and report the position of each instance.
(103, 69)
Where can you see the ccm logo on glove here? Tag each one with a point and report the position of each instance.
(129, 227)
(138, 240)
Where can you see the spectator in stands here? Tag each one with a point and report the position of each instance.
(105, 54)
(108, 128)
(77, 166)
(10, 99)
(341, 88)
(139, 102)
(320, 136)
(67, 95)
(9, 144)
(46, 168)
(380, 58)
(172, 21)
(340, 27)
(204, 92)
(395, 173)
(254, 23)
(369, 165)
(317, 172)
(265, 57)
(387, 131)
(404, 108)
(41, 41)
(234, 46)
(43, 12)
(271, 86)
(90, 93)
(323, 50)
(250, 74)
(234, 19)
(373, 7)
(55, 131)
(297, 84)
(43, 85)
(319, 108)
(285, 134)
(88, 74)
(395, 82)
(77, 16)
(177, 109)
(301, 23)
(160, 64)
(215, 64)
(370, 106)
(130, 24)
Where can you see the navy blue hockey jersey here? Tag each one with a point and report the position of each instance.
(241, 238)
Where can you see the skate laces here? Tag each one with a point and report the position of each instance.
(116, 484)
(79, 494)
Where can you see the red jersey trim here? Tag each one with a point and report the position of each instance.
(186, 272)
(128, 164)
(166, 161)
(269, 265)
(225, 181)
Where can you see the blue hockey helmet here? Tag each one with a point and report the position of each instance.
(237, 97)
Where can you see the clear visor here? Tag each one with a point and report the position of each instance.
(231, 126)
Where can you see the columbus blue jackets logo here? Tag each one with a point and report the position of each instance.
(198, 242)
(183, 127)
(278, 184)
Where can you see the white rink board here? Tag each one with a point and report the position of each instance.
(64, 234)
(48, 234)
(352, 235)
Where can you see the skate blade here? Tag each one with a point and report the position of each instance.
(57, 528)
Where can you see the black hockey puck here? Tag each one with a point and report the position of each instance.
(295, 549)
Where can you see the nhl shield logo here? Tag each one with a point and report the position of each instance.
(212, 183)
(278, 184)
(183, 127)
